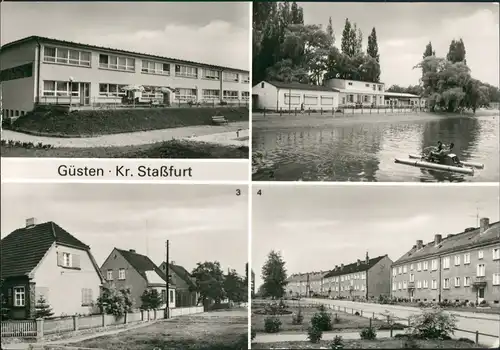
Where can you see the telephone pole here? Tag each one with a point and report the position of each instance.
(168, 278)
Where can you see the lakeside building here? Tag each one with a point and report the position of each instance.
(38, 70)
(368, 278)
(460, 267)
(336, 93)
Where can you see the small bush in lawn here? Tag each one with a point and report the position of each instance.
(272, 324)
(314, 334)
(322, 320)
(338, 343)
(432, 324)
(466, 340)
(298, 318)
(368, 333)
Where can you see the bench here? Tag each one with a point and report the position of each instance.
(219, 119)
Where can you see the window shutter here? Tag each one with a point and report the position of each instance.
(76, 260)
(60, 259)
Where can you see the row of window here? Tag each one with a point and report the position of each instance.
(480, 272)
(374, 86)
(424, 284)
(121, 63)
(20, 296)
(121, 275)
(311, 100)
(353, 276)
(446, 262)
(63, 88)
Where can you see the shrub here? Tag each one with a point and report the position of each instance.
(322, 320)
(432, 324)
(253, 334)
(338, 343)
(272, 324)
(466, 340)
(298, 318)
(314, 334)
(113, 301)
(368, 333)
(42, 308)
(483, 303)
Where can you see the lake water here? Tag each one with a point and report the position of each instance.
(308, 148)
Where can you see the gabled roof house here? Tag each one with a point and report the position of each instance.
(127, 269)
(184, 284)
(45, 260)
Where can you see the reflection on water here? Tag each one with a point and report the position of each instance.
(366, 151)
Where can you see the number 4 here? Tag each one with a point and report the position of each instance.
(259, 192)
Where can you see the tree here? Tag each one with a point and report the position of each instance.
(346, 43)
(114, 301)
(456, 52)
(358, 49)
(42, 308)
(329, 30)
(274, 276)
(296, 14)
(151, 299)
(235, 287)
(372, 49)
(209, 282)
(429, 51)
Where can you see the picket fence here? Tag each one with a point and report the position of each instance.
(44, 327)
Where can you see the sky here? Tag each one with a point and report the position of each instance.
(202, 223)
(213, 33)
(318, 227)
(404, 29)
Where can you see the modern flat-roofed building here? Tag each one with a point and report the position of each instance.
(273, 95)
(368, 94)
(459, 267)
(37, 70)
(363, 279)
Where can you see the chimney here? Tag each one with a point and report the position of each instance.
(132, 250)
(341, 266)
(359, 262)
(30, 222)
(367, 258)
(484, 224)
(420, 244)
(336, 267)
(437, 239)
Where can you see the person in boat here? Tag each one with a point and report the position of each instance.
(437, 153)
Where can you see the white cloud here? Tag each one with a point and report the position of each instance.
(218, 43)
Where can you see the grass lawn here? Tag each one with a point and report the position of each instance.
(51, 122)
(384, 343)
(167, 149)
(346, 321)
(201, 332)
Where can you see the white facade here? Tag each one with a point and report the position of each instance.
(68, 280)
(354, 92)
(275, 98)
(63, 73)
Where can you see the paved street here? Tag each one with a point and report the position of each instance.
(128, 139)
(484, 323)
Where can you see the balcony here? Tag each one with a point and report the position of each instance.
(411, 285)
(479, 281)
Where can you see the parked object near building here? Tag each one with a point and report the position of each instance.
(184, 284)
(462, 267)
(38, 70)
(127, 269)
(44, 260)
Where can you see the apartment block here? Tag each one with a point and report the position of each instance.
(306, 284)
(37, 70)
(459, 267)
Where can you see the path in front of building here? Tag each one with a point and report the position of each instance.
(128, 139)
(468, 321)
(230, 138)
(289, 337)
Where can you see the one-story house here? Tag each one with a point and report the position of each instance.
(46, 261)
(184, 284)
